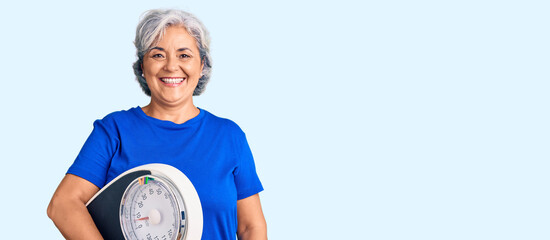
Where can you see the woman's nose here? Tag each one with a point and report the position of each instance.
(171, 64)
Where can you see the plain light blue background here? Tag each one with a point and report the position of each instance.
(367, 119)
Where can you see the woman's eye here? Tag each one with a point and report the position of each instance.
(184, 56)
(158, 55)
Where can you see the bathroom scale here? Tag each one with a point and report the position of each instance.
(152, 201)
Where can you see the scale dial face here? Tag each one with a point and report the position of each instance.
(152, 209)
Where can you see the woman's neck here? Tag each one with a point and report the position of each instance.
(175, 114)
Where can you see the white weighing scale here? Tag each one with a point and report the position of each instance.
(152, 201)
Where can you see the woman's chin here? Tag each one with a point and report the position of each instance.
(172, 100)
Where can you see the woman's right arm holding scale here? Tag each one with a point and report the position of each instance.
(68, 211)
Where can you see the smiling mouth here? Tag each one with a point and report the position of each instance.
(172, 80)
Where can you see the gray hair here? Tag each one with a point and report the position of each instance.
(152, 27)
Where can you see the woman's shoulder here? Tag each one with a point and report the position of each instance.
(221, 122)
(120, 116)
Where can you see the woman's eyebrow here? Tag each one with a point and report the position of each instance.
(179, 49)
(158, 48)
(183, 49)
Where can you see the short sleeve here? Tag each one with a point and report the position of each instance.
(246, 179)
(92, 163)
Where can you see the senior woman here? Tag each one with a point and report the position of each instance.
(173, 65)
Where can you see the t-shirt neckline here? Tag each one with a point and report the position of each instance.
(169, 124)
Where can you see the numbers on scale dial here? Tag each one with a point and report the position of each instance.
(152, 213)
(149, 237)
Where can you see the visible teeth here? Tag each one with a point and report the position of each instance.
(172, 80)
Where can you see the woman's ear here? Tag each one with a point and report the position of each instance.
(202, 66)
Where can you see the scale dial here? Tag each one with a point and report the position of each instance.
(152, 209)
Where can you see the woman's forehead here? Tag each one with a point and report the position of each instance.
(175, 38)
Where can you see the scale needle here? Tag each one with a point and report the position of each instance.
(143, 218)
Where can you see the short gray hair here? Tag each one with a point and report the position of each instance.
(153, 25)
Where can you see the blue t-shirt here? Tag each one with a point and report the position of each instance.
(211, 151)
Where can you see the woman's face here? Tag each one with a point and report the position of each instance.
(172, 68)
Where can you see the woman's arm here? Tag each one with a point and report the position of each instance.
(251, 221)
(68, 211)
